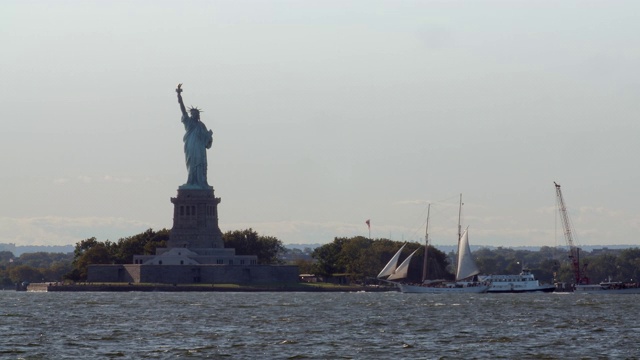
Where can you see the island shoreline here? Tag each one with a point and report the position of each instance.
(52, 287)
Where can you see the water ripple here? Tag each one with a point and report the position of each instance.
(317, 325)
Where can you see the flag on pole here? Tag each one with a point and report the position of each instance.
(368, 222)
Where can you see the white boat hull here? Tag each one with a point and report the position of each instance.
(521, 283)
(509, 289)
(441, 290)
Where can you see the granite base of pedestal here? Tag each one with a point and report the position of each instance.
(193, 274)
(195, 220)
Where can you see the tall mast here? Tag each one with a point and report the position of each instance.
(459, 218)
(459, 233)
(426, 246)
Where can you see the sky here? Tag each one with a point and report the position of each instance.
(324, 114)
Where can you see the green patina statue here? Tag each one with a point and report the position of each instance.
(197, 140)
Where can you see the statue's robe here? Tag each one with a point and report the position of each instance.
(197, 140)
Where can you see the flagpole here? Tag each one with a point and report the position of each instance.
(368, 222)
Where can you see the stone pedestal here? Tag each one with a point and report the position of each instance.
(195, 220)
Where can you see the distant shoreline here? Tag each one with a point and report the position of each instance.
(51, 287)
(18, 250)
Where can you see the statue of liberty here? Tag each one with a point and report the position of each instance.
(197, 140)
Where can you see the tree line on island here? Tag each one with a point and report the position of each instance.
(361, 259)
(356, 259)
(52, 267)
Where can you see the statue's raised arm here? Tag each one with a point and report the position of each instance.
(179, 91)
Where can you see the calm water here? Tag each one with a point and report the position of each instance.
(317, 325)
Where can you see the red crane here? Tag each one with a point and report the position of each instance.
(574, 253)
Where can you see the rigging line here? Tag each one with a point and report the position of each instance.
(421, 219)
(418, 229)
(437, 215)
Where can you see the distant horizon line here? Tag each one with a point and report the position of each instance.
(296, 246)
(315, 245)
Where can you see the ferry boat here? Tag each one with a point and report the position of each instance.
(523, 282)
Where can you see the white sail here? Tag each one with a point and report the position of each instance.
(390, 268)
(401, 271)
(466, 266)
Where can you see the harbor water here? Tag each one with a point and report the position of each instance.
(289, 325)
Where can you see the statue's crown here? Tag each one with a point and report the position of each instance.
(192, 109)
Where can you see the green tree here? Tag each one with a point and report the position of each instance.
(547, 270)
(565, 273)
(43, 259)
(90, 251)
(144, 243)
(57, 271)
(629, 264)
(6, 256)
(602, 267)
(305, 266)
(248, 242)
(363, 258)
(547, 265)
(383, 251)
(20, 273)
(5, 279)
(491, 261)
(326, 257)
(437, 265)
(356, 258)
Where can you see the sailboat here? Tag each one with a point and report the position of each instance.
(466, 268)
(391, 272)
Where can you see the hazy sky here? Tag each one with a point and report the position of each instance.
(325, 114)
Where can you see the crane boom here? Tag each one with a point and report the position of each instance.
(574, 253)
